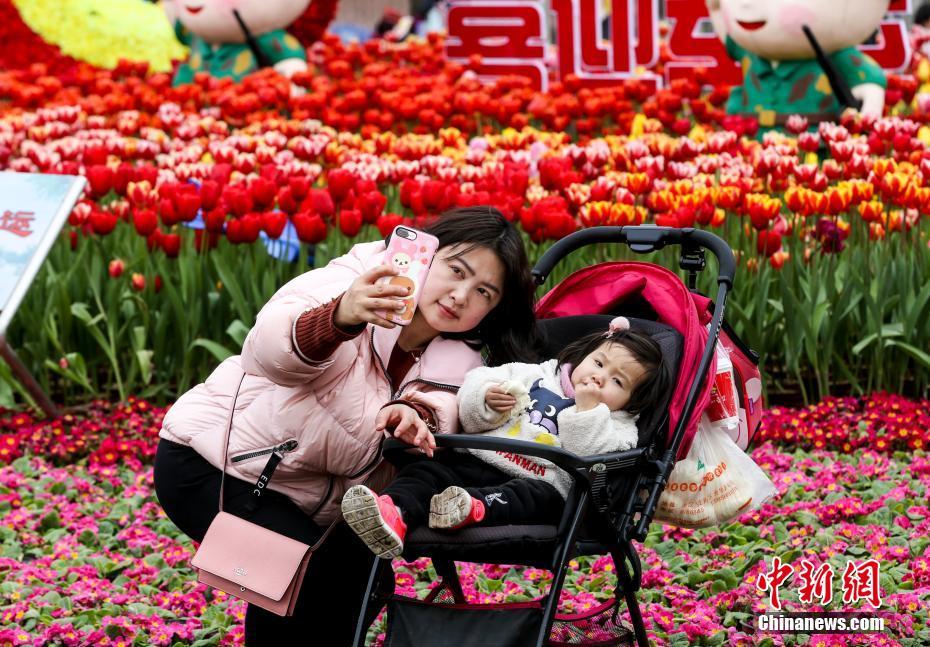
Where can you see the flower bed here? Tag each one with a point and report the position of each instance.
(87, 556)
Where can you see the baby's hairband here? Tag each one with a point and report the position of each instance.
(617, 324)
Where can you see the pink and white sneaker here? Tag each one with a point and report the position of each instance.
(454, 508)
(376, 520)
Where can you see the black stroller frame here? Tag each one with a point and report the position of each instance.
(610, 485)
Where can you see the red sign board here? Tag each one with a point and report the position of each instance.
(511, 37)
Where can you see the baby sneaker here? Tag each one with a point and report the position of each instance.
(454, 508)
(376, 520)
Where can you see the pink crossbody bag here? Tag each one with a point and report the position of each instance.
(250, 562)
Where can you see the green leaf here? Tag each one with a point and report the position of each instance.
(81, 311)
(144, 361)
(913, 351)
(864, 343)
(237, 331)
(219, 351)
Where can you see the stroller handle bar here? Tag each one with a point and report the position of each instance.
(643, 239)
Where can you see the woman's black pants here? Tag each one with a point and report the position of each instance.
(327, 608)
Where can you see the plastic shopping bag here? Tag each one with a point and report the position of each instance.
(714, 484)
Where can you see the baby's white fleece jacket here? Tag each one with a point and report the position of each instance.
(585, 433)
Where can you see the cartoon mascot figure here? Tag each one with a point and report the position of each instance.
(782, 75)
(233, 38)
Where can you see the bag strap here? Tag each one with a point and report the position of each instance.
(232, 411)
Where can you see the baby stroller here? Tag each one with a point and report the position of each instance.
(614, 496)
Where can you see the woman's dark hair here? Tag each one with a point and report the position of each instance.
(508, 332)
(923, 14)
(655, 381)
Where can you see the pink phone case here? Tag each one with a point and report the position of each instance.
(410, 252)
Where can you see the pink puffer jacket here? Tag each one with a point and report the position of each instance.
(326, 410)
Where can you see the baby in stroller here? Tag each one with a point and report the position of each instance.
(586, 401)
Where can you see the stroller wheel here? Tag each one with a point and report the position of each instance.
(375, 520)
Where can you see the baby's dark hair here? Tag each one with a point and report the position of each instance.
(655, 381)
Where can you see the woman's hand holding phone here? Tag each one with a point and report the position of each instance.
(367, 300)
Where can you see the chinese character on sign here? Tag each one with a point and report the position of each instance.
(633, 41)
(815, 583)
(17, 223)
(771, 580)
(601, 42)
(691, 47)
(892, 50)
(860, 582)
(510, 38)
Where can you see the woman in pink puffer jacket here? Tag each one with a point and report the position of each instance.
(321, 380)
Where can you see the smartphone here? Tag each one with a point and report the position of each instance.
(410, 252)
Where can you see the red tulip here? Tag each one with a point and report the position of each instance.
(116, 267)
(559, 225)
(94, 155)
(187, 204)
(145, 221)
(146, 174)
(123, 175)
(299, 187)
(214, 220)
(320, 202)
(103, 222)
(274, 222)
(681, 127)
(339, 183)
(210, 191)
(137, 282)
(263, 192)
(777, 260)
(387, 222)
(220, 173)
(310, 227)
(244, 229)
(167, 212)
(100, 179)
(371, 205)
(171, 244)
(768, 242)
(287, 202)
(434, 193)
(408, 187)
(238, 199)
(80, 213)
(350, 222)
(553, 172)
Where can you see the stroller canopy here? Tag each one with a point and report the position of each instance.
(606, 288)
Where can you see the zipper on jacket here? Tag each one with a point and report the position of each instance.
(438, 385)
(286, 446)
